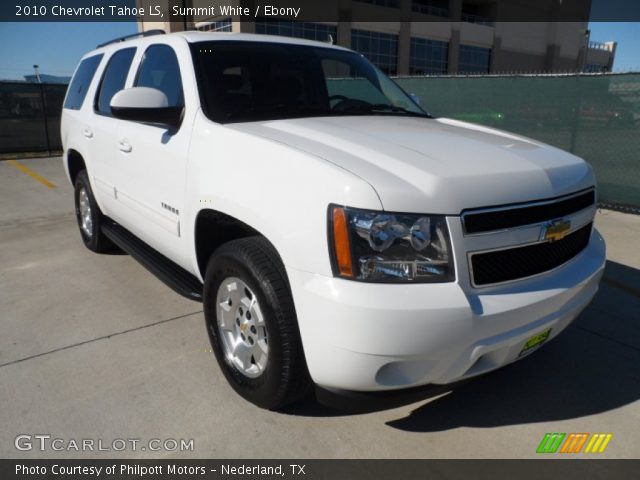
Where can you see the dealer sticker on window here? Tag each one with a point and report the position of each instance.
(534, 342)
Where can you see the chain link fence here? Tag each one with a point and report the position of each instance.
(30, 117)
(596, 117)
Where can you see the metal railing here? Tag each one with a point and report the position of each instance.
(471, 18)
(429, 9)
(601, 46)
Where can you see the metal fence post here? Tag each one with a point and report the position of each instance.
(576, 116)
(44, 117)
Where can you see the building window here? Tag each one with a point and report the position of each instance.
(382, 3)
(217, 26)
(439, 8)
(428, 57)
(474, 59)
(380, 48)
(308, 30)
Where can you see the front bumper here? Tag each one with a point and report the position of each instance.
(371, 337)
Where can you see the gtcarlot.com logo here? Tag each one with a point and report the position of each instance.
(574, 443)
(46, 442)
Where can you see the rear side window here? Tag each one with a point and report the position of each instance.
(114, 78)
(159, 69)
(81, 81)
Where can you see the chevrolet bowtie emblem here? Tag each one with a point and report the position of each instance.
(555, 230)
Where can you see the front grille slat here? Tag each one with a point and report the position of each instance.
(521, 262)
(487, 221)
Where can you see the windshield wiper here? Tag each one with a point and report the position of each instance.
(384, 107)
(283, 110)
(364, 108)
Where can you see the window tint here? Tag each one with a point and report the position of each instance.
(159, 69)
(114, 78)
(249, 81)
(343, 80)
(81, 81)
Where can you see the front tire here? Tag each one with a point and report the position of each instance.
(252, 324)
(89, 216)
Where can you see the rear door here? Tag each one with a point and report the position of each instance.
(100, 131)
(75, 129)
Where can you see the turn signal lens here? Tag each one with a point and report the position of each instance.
(341, 241)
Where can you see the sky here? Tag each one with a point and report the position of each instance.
(57, 47)
(628, 37)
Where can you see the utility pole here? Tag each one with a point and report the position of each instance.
(36, 68)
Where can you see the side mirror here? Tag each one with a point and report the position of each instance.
(415, 98)
(144, 104)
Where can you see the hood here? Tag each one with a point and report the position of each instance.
(433, 165)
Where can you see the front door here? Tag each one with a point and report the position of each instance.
(152, 160)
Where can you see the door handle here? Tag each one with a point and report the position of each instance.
(124, 146)
(87, 132)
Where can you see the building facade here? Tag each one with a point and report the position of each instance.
(436, 37)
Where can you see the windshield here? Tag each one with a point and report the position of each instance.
(243, 81)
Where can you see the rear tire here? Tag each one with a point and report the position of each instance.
(89, 216)
(252, 324)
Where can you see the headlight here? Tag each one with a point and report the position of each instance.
(389, 247)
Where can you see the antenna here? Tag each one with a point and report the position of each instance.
(330, 39)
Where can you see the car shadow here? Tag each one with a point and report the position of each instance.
(593, 367)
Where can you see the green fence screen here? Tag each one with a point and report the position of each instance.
(597, 117)
(30, 117)
(594, 116)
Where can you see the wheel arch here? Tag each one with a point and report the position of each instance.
(75, 164)
(214, 228)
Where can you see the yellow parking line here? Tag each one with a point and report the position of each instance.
(36, 176)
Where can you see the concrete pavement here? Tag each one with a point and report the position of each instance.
(93, 346)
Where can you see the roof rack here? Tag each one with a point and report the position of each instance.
(148, 33)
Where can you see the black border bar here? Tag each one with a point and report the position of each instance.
(308, 10)
(328, 469)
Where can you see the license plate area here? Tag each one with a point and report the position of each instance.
(534, 342)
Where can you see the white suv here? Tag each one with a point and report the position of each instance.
(336, 233)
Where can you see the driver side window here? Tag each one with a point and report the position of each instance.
(113, 79)
(159, 69)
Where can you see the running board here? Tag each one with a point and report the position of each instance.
(170, 273)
